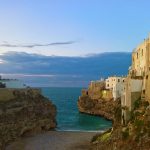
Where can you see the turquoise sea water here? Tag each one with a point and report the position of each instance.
(68, 117)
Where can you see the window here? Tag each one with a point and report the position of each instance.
(118, 80)
(142, 52)
(107, 85)
(137, 55)
(122, 80)
(147, 77)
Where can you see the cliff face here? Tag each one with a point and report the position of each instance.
(96, 107)
(134, 135)
(97, 101)
(22, 112)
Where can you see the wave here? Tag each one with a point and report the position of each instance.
(95, 131)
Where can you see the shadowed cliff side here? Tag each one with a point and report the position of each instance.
(134, 135)
(96, 107)
(22, 112)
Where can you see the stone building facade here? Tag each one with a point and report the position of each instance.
(137, 83)
(141, 59)
(131, 92)
(115, 84)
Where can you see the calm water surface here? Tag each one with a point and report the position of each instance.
(68, 117)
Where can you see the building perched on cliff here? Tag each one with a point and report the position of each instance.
(141, 59)
(131, 92)
(137, 83)
(95, 88)
(116, 85)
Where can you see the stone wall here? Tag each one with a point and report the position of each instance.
(95, 89)
(107, 95)
(96, 100)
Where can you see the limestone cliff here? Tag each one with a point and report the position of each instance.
(134, 135)
(24, 111)
(96, 107)
(97, 101)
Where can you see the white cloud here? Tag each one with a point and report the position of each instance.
(1, 61)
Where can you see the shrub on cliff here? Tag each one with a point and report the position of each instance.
(125, 134)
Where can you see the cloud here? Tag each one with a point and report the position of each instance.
(98, 65)
(6, 44)
(1, 61)
(64, 71)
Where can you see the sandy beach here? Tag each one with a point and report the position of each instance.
(54, 140)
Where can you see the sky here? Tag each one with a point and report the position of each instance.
(73, 27)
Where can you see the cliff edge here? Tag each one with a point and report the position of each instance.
(24, 111)
(96, 100)
(133, 135)
(98, 107)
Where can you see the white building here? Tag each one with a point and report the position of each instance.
(116, 84)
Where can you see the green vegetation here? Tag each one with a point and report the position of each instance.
(95, 137)
(105, 137)
(125, 134)
(137, 103)
(146, 103)
(102, 137)
(138, 124)
(117, 112)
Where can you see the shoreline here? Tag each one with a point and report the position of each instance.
(96, 114)
(92, 131)
(54, 140)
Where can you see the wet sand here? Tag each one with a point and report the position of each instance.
(54, 140)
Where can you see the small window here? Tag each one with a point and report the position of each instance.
(143, 91)
(108, 85)
(122, 80)
(142, 52)
(147, 77)
(118, 80)
(137, 55)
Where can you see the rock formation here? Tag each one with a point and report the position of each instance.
(96, 107)
(94, 101)
(134, 135)
(24, 111)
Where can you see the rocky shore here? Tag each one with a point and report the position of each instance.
(98, 107)
(97, 101)
(24, 111)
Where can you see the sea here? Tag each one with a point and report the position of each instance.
(65, 98)
(68, 116)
